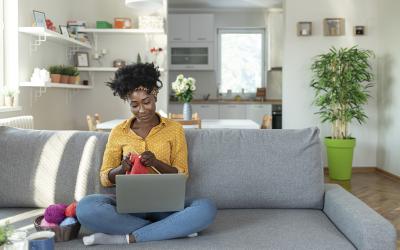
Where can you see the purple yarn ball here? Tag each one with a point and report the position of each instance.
(55, 213)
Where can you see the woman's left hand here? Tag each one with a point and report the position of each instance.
(148, 159)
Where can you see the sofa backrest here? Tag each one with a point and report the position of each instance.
(39, 168)
(256, 168)
(235, 168)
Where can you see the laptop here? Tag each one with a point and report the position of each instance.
(147, 193)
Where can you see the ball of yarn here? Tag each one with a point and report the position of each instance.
(55, 213)
(68, 221)
(45, 223)
(70, 211)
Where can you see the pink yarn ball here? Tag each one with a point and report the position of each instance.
(44, 223)
(55, 213)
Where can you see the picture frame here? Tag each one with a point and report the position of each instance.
(39, 19)
(64, 30)
(81, 59)
(359, 30)
(304, 28)
(334, 27)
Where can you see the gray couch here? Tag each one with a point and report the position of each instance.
(267, 184)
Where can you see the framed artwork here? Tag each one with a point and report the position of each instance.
(81, 59)
(64, 30)
(359, 30)
(39, 18)
(334, 27)
(304, 28)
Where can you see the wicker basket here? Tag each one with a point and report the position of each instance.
(62, 233)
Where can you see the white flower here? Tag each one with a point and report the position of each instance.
(180, 77)
(193, 87)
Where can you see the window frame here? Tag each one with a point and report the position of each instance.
(245, 30)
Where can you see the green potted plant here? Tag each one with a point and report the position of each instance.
(341, 81)
(73, 75)
(55, 73)
(9, 95)
(64, 71)
(5, 233)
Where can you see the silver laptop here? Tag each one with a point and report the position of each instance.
(146, 193)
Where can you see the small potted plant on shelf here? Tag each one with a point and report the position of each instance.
(341, 81)
(184, 88)
(55, 73)
(9, 95)
(5, 233)
(73, 75)
(64, 71)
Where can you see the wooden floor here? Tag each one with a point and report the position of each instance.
(379, 192)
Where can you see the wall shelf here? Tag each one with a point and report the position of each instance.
(49, 35)
(103, 69)
(122, 31)
(55, 85)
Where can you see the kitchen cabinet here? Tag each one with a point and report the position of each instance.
(256, 112)
(191, 27)
(232, 111)
(179, 28)
(206, 111)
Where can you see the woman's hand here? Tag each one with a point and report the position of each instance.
(148, 159)
(126, 163)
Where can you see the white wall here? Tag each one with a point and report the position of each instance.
(207, 80)
(389, 86)
(67, 109)
(297, 95)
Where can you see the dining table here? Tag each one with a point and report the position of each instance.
(205, 124)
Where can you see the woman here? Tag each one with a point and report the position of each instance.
(162, 146)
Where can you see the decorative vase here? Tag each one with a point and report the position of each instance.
(187, 111)
(340, 157)
(9, 101)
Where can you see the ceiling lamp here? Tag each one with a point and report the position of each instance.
(144, 4)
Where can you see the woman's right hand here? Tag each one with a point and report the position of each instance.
(126, 163)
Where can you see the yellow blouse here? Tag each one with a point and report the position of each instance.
(166, 140)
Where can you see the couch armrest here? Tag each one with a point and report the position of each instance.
(364, 227)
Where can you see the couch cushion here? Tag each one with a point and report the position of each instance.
(256, 168)
(39, 168)
(253, 229)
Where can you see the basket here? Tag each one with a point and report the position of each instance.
(66, 233)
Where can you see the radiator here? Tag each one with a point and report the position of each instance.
(18, 122)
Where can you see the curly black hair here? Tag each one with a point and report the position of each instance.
(130, 77)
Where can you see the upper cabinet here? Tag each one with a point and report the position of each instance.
(191, 27)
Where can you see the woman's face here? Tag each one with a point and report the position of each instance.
(143, 105)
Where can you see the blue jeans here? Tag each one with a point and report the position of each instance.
(98, 213)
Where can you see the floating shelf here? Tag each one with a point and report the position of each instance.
(45, 34)
(103, 69)
(55, 85)
(122, 31)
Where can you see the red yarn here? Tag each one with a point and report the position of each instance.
(70, 211)
(137, 166)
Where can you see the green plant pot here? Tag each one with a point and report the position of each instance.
(340, 157)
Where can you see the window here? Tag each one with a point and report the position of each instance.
(241, 54)
(1, 45)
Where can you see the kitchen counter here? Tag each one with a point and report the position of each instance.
(216, 101)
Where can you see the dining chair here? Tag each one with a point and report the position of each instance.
(196, 121)
(93, 121)
(266, 122)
